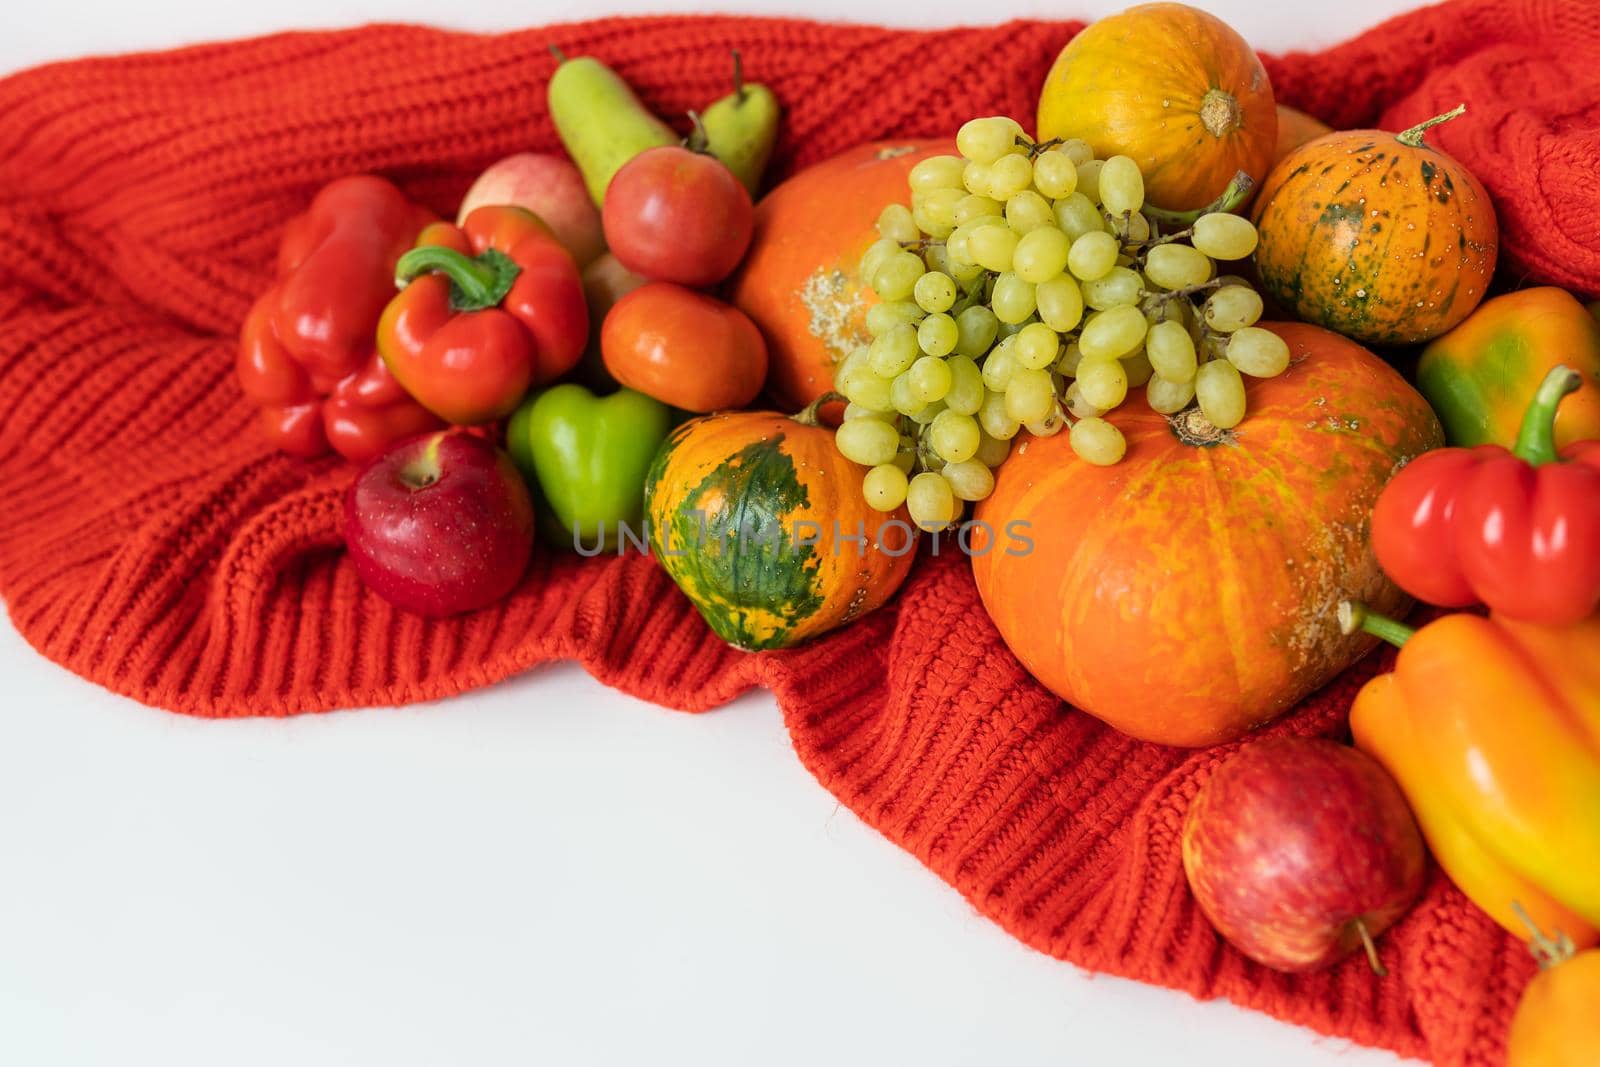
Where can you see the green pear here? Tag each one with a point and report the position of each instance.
(601, 121)
(741, 128)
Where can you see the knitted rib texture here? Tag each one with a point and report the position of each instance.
(151, 542)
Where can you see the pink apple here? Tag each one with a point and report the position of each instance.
(1301, 850)
(551, 187)
(605, 281)
(439, 524)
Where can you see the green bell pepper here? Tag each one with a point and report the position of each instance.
(585, 457)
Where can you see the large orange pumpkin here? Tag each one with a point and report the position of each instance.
(1174, 88)
(1188, 593)
(1376, 235)
(800, 281)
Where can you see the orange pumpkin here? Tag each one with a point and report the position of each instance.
(1174, 88)
(1187, 594)
(1376, 235)
(1295, 128)
(800, 281)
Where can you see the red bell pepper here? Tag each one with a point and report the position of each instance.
(488, 309)
(1517, 530)
(306, 352)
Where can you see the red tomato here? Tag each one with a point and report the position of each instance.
(678, 216)
(684, 348)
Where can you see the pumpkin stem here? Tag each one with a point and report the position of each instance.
(1412, 138)
(1547, 949)
(807, 416)
(1354, 615)
(1219, 112)
(1234, 195)
(1536, 440)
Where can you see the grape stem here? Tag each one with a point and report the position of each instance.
(1237, 191)
(1038, 148)
(1186, 291)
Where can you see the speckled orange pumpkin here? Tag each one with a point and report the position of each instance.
(800, 281)
(1188, 593)
(1376, 235)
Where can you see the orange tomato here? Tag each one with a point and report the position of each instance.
(684, 348)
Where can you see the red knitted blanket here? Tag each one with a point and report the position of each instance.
(149, 540)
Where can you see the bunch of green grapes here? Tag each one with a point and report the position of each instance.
(1025, 288)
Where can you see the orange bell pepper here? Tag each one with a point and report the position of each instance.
(1492, 729)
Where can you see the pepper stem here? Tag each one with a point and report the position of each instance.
(1536, 441)
(1412, 138)
(1232, 197)
(475, 282)
(1547, 949)
(808, 415)
(1354, 615)
(1372, 949)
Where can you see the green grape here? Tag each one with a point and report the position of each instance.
(1097, 441)
(896, 224)
(1220, 390)
(1037, 346)
(1076, 149)
(1157, 309)
(881, 318)
(935, 291)
(966, 386)
(931, 502)
(975, 178)
(954, 436)
(1112, 334)
(936, 172)
(1171, 351)
(1135, 228)
(1089, 179)
(877, 254)
(898, 275)
(853, 410)
(1029, 395)
(1257, 352)
(1166, 396)
(992, 451)
(1223, 236)
(856, 357)
(884, 487)
(1050, 425)
(927, 413)
(937, 257)
(974, 206)
(902, 396)
(1009, 175)
(994, 419)
(1137, 367)
(1121, 185)
(1102, 383)
(934, 212)
(1013, 300)
(1092, 255)
(1027, 211)
(866, 389)
(1078, 406)
(1055, 174)
(930, 379)
(988, 139)
(867, 441)
(976, 328)
(1000, 365)
(1041, 254)
(1120, 287)
(992, 247)
(1175, 266)
(938, 334)
(892, 353)
(969, 479)
(906, 458)
(1071, 359)
(1060, 303)
(1232, 307)
(1076, 215)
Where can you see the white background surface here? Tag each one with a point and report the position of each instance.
(542, 873)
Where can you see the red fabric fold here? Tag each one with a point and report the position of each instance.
(152, 543)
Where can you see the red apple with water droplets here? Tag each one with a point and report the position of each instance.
(440, 524)
(1300, 851)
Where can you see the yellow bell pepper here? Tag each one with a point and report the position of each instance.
(1492, 729)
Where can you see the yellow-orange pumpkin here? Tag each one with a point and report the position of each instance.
(1376, 235)
(762, 524)
(1174, 88)
(1187, 594)
(1295, 128)
(801, 281)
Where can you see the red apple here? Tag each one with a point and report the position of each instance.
(550, 187)
(605, 281)
(1300, 851)
(439, 524)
